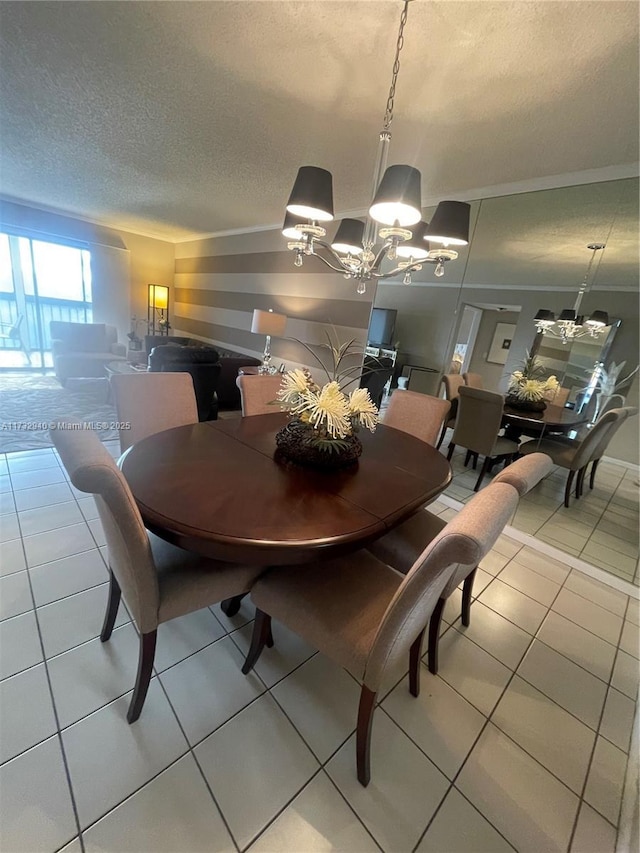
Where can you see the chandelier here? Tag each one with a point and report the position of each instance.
(405, 239)
(570, 324)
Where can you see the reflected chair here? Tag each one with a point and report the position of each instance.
(367, 617)
(258, 393)
(159, 582)
(477, 426)
(418, 414)
(452, 383)
(473, 380)
(599, 451)
(13, 332)
(573, 455)
(151, 403)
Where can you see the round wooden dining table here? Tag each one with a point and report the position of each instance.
(553, 419)
(216, 488)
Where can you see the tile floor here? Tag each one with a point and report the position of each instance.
(520, 742)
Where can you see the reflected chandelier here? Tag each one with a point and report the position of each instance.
(571, 325)
(396, 205)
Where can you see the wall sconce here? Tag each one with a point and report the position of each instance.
(158, 309)
(268, 323)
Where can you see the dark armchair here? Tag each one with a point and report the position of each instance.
(203, 363)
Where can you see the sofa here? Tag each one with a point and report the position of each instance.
(201, 362)
(83, 349)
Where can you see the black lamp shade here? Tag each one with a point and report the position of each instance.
(567, 316)
(289, 229)
(349, 237)
(416, 246)
(545, 316)
(398, 199)
(598, 318)
(312, 194)
(450, 223)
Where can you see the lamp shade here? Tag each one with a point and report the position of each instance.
(545, 316)
(158, 296)
(349, 237)
(598, 318)
(268, 323)
(567, 316)
(289, 229)
(415, 247)
(312, 194)
(398, 198)
(450, 223)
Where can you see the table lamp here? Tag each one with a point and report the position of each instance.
(268, 323)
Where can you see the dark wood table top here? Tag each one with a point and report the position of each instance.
(215, 488)
(552, 417)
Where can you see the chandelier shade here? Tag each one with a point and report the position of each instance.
(567, 316)
(545, 316)
(349, 237)
(598, 318)
(289, 227)
(398, 199)
(312, 194)
(450, 223)
(416, 246)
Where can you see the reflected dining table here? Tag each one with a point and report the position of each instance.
(554, 419)
(216, 488)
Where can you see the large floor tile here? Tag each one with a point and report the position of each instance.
(35, 807)
(513, 791)
(617, 719)
(404, 791)
(19, 644)
(601, 622)
(442, 723)
(543, 565)
(42, 496)
(593, 833)
(31, 461)
(608, 556)
(606, 780)
(12, 555)
(60, 578)
(572, 687)
(9, 529)
(493, 562)
(186, 635)
(321, 700)
(514, 606)
(626, 674)
(633, 611)
(7, 504)
(496, 635)
(317, 821)
(39, 477)
(479, 677)
(127, 756)
(507, 546)
(15, 595)
(88, 508)
(272, 749)
(630, 639)
(97, 531)
(531, 583)
(26, 712)
(559, 741)
(208, 688)
(57, 544)
(33, 521)
(460, 828)
(597, 592)
(173, 812)
(582, 647)
(89, 676)
(288, 652)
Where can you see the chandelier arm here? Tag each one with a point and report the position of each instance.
(404, 269)
(341, 268)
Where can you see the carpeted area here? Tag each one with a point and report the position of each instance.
(28, 404)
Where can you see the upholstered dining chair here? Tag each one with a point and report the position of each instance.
(473, 380)
(452, 383)
(574, 456)
(477, 425)
(420, 415)
(258, 393)
(599, 450)
(151, 403)
(159, 581)
(364, 615)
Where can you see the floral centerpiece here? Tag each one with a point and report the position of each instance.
(529, 389)
(325, 419)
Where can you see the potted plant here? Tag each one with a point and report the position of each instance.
(528, 387)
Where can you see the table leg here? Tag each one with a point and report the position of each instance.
(513, 432)
(230, 606)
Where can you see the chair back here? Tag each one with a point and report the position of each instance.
(258, 393)
(478, 420)
(454, 552)
(92, 469)
(473, 380)
(621, 416)
(418, 414)
(151, 403)
(376, 372)
(452, 383)
(597, 434)
(526, 473)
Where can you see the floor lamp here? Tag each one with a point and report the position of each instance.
(158, 304)
(268, 323)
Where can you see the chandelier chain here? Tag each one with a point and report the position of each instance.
(388, 115)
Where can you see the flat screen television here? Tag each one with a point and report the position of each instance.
(382, 326)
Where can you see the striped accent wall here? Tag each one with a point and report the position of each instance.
(218, 282)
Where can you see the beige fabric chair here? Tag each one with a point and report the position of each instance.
(573, 456)
(418, 414)
(473, 380)
(152, 402)
(159, 581)
(258, 393)
(526, 473)
(477, 424)
(366, 616)
(452, 383)
(600, 449)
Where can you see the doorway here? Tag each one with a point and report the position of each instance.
(465, 339)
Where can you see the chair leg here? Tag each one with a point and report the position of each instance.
(452, 447)
(467, 592)
(260, 638)
(485, 468)
(414, 664)
(363, 734)
(580, 482)
(269, 642)
(434, 635)
(112, 608)
(567, 491)
(467, 458)
(475, 461)
(442, 435)
(145, 668)
(230, 606)
(594, 468)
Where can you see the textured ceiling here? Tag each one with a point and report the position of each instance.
(187, 118)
